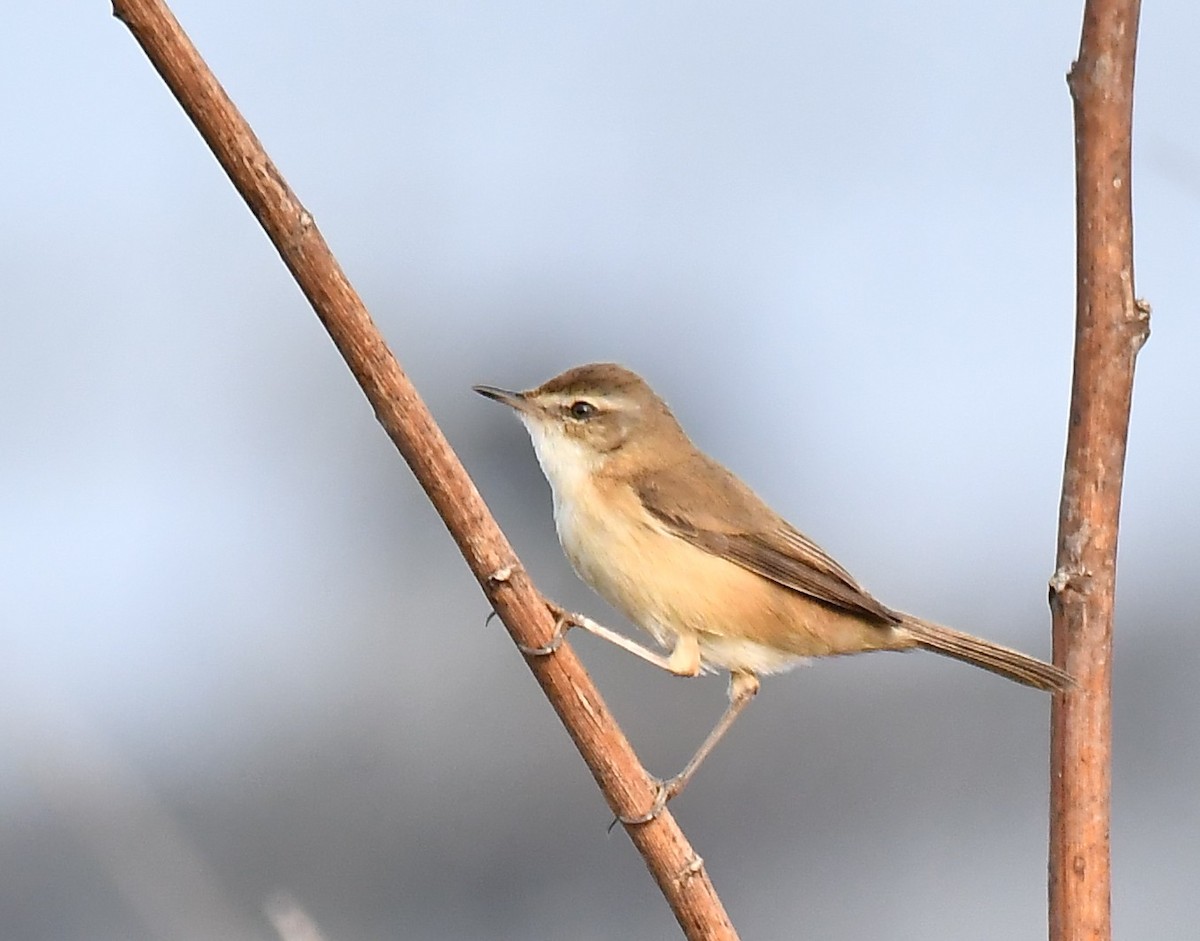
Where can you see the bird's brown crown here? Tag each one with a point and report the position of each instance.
(605, 380)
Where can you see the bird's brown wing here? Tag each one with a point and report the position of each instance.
(726, 518)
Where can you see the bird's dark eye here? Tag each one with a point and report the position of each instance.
(582, 410)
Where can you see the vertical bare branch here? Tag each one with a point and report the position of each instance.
(1111, 326)
(627, 787)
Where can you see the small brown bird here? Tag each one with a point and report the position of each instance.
(689, 553)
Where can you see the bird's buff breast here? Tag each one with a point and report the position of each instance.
(665, 585)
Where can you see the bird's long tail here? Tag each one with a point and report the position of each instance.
(983, 653)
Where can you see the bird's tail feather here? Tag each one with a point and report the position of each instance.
(983, 653)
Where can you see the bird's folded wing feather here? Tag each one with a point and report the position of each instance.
(730, 521)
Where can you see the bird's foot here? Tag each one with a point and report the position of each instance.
(664, 792)
(564, 620)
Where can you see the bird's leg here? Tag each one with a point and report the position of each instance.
(742, 687)
(683, 661)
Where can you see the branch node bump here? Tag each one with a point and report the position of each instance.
(1141, 322)
(1065, 581)
(691, 870)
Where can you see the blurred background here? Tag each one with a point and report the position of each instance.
(245, 670)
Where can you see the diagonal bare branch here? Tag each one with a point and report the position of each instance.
(627, 787)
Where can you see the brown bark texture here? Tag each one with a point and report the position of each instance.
(1111, 327)
(628, 789)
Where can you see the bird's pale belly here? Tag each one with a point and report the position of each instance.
(669, 587)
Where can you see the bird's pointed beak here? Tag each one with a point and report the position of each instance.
(517, 401)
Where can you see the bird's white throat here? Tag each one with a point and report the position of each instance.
(567, 463)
